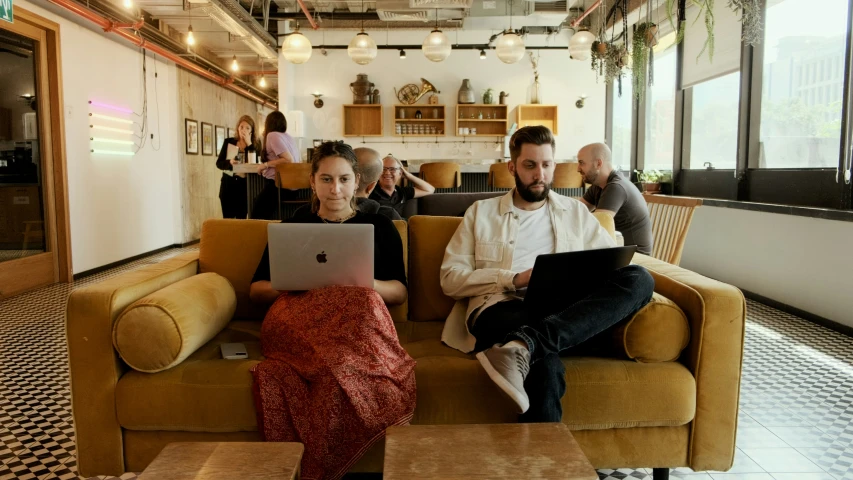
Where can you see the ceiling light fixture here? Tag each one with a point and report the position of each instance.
(262, 82)
(482, 54)
(580, 45)
(128, 4)
(510, 47)
(190, 37)
(234, 65)
(402, 54)
(296, 47)
(362, 49)
(436, 46)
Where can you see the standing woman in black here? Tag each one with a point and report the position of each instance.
(232, 187)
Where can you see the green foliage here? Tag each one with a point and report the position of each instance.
(653, 176)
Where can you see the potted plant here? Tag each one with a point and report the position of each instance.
(608, 61)
(651, 180)
(642, 56)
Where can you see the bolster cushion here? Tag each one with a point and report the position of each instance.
(162, 329)
(657, 333)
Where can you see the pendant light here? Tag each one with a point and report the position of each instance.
(402, 54)
(580, 45)
(128, 4)
(296, 47)
(234, 65)
(362, 49)
(190, 37)
(262, 82)
(436, 46)
(482, 54)
(509, 47)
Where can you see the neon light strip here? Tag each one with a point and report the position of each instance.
(110, 140)
(111, 129)
(112, 119)
(111, 152)
(111, 107)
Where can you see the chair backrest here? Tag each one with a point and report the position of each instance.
(293, 176)
(566, 176)
(442, 174)
(671, 217)
(499, 176)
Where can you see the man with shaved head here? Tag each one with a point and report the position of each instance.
(612, 194)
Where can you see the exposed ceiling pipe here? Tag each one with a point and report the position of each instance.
(260, 72)
(589, 10)
(307, 14)
(120, 30)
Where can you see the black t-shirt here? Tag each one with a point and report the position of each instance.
(387, 247)
(364, 205)
(396, 200)
(632, 213)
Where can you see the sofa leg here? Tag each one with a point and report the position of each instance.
(660, 474)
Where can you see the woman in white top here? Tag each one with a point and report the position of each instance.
(279, 147)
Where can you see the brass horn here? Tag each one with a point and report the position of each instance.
(410, 94)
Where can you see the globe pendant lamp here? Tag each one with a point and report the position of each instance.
(436, 46)
(580, 45)
(509, 47)
(362, 49)
(296, 47)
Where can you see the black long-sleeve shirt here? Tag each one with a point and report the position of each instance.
(223, 163)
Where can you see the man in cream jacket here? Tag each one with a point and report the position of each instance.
(487, 267)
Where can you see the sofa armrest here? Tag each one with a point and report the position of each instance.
(717, 315)
(95, 366)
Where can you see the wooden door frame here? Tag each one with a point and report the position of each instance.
(52, 127)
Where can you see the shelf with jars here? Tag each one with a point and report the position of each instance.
(419, 120)
(481, 120)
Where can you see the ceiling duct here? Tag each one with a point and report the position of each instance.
(245, 30)
(451, 4)
(400, 11)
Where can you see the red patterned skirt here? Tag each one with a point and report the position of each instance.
(335, 376)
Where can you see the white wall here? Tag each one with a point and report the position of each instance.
(803, 262)
(563, 81)
(120, 206)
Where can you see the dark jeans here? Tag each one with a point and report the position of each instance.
(618, 297)
(232, 196)
(266, 204)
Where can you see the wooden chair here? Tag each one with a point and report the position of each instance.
(499, 176)
(442, 174)
(566, 176)
(292, 176)
(671, 217)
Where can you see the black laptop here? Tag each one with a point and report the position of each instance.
(558, 279)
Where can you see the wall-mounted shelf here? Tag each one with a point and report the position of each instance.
(363, 120)
(532, 115)
(493, 123)
(432, 118)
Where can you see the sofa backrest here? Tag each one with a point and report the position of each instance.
(233, 248)
(445, 204)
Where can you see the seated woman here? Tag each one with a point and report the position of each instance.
(334, 375)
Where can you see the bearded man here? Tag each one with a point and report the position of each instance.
(487, 267)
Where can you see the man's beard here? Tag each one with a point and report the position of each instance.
(529, 195)
(590, 177)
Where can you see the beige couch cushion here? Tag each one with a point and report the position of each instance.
(162, 329)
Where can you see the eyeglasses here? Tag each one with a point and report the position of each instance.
(390, 169)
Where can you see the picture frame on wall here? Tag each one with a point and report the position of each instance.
(220, 138)
(192, 136)
(206, 138)
(231, 133)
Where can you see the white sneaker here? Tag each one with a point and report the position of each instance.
(507, 366)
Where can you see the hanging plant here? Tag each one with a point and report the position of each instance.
(609, 61)
(750, 19)
(641, 56)
(706, 10)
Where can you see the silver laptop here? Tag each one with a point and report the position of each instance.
(307, 256)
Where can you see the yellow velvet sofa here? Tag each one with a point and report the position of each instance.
(623, 412)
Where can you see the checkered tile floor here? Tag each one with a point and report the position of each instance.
(796, 416)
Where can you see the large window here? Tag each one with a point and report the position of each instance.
(804, 50)
(660, 108)
(622, 124)
(714, 123)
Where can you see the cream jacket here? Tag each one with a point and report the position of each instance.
(476, 266)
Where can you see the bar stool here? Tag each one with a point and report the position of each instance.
(292, 176)
(566, 176)
(442, 174)
(499, 176)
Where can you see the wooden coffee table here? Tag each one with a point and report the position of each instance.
(226, 461)
(544, 451)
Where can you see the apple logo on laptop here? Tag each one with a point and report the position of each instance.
(321, 257)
